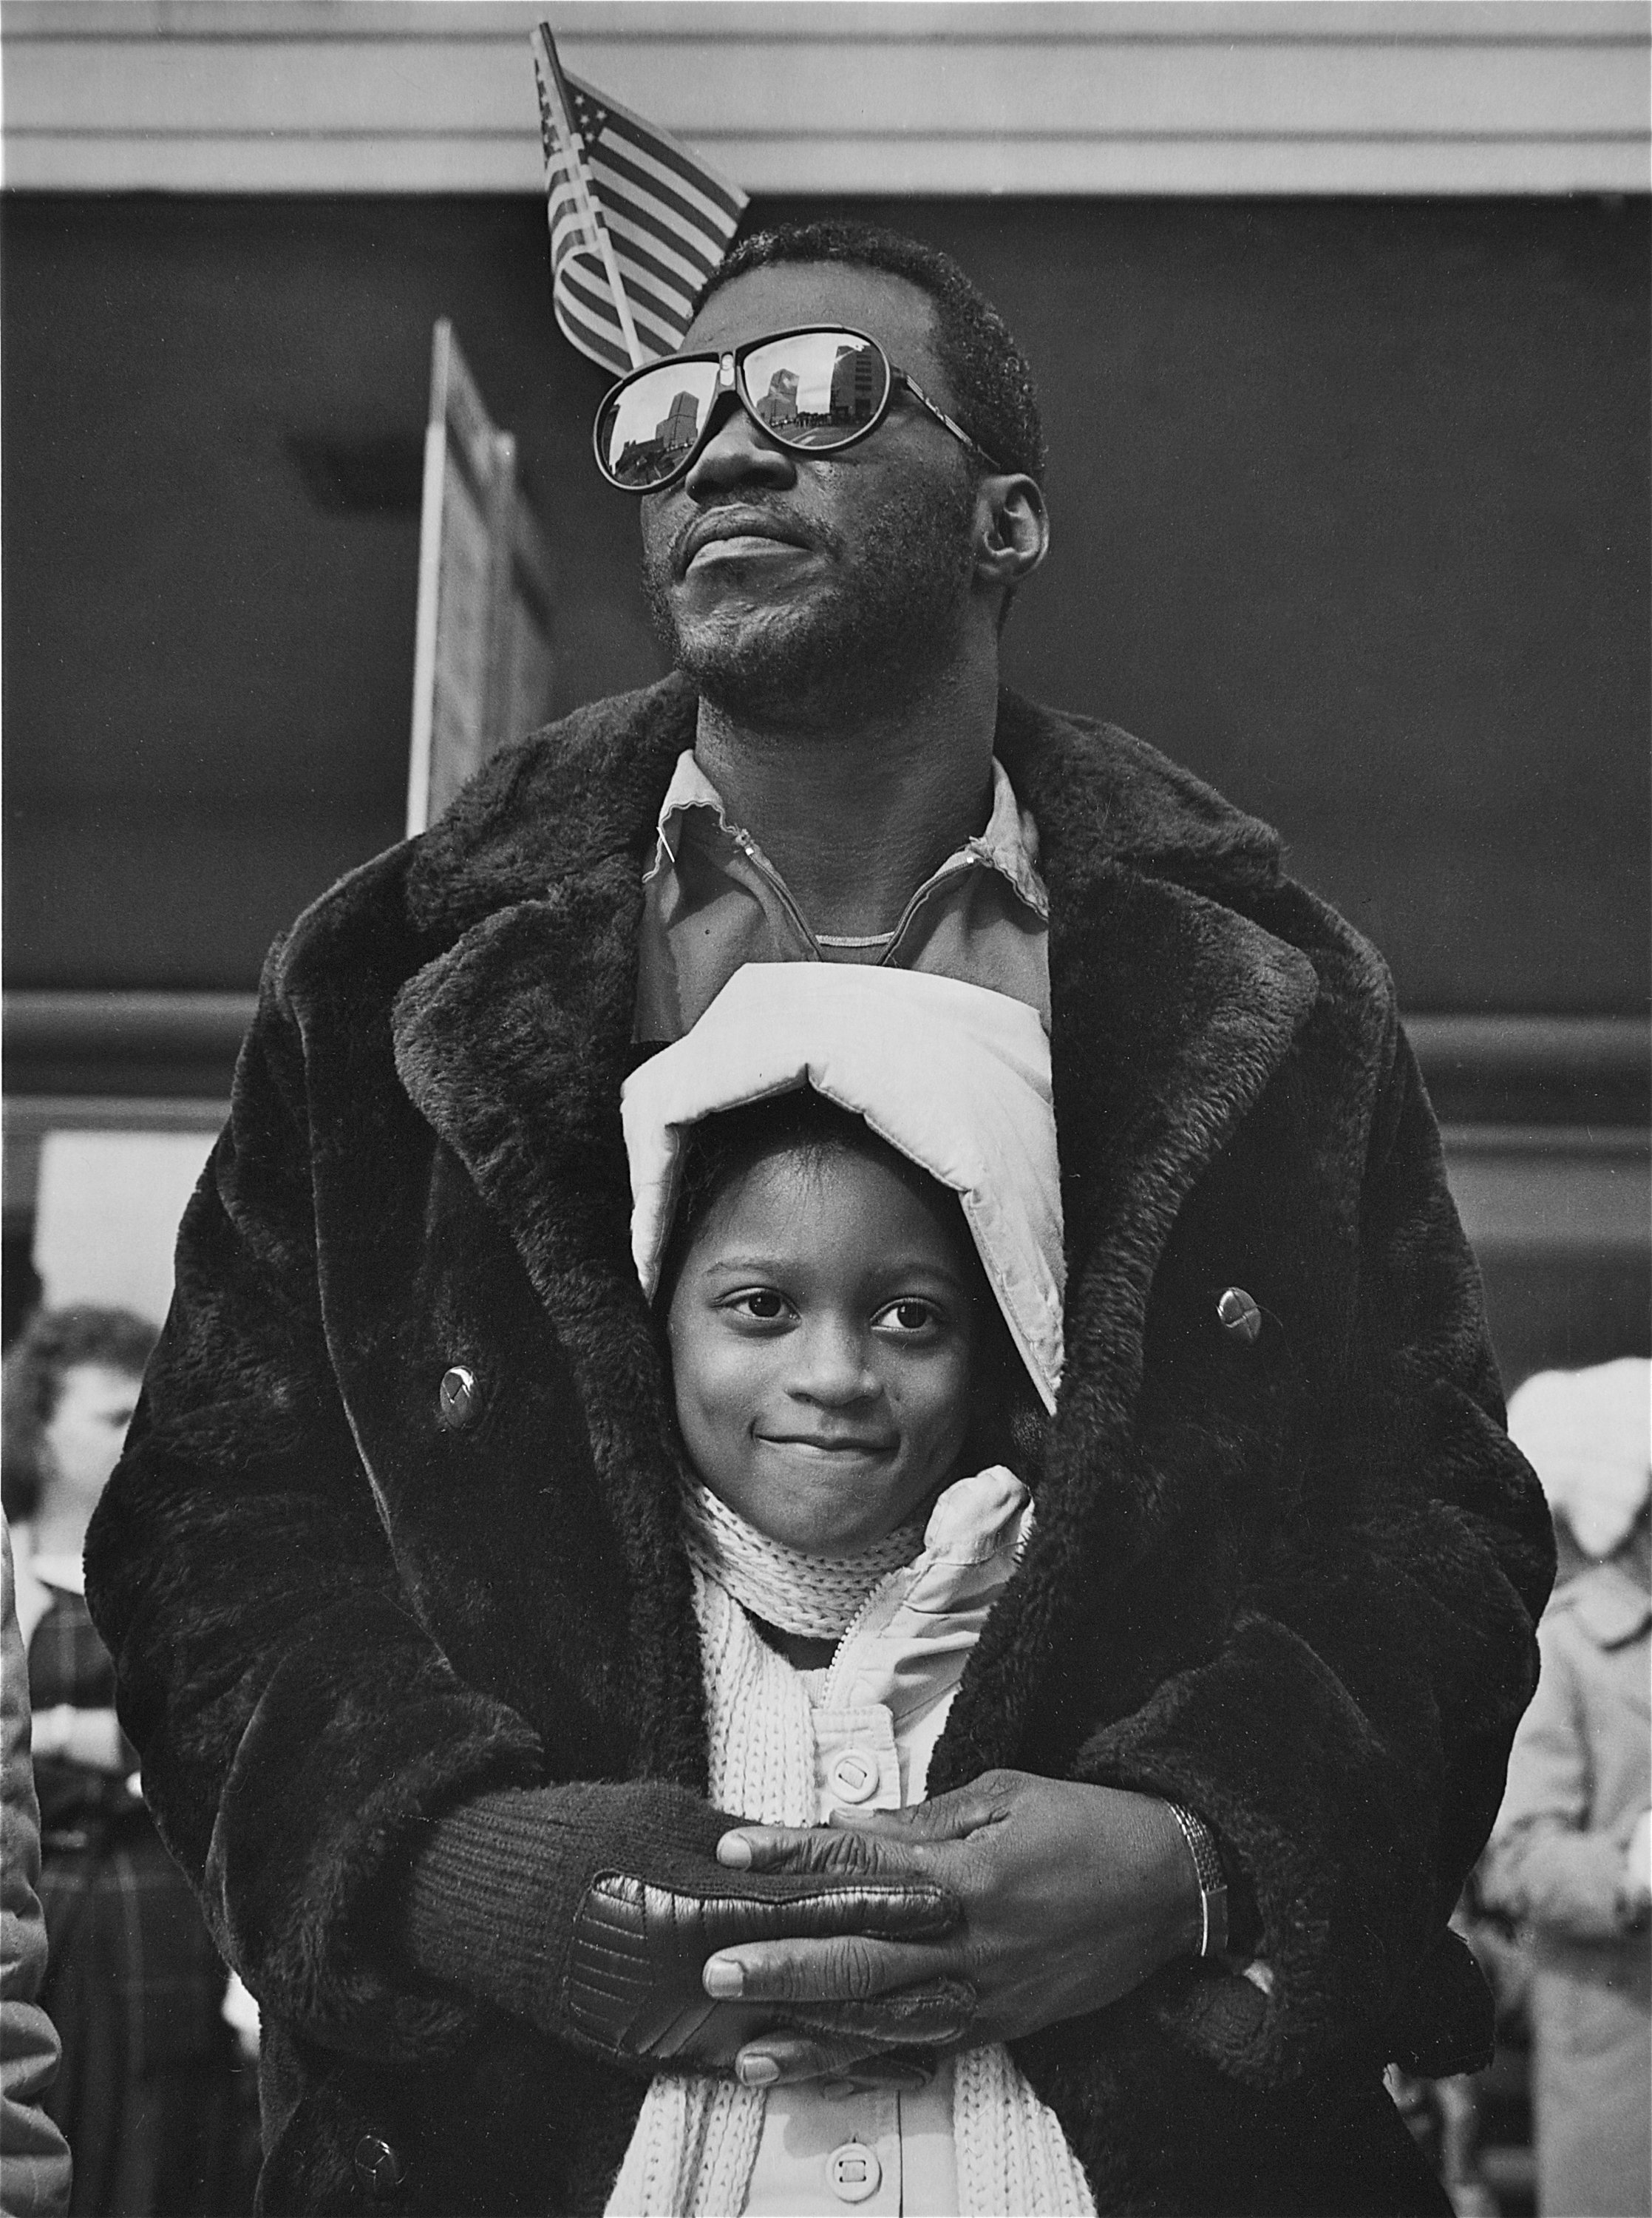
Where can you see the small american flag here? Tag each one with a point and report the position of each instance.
(637, 224)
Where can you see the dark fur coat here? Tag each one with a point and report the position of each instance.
(1291, 1585)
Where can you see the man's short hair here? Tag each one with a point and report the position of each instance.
(994, 395)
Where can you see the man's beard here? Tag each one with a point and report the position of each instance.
(873, 639)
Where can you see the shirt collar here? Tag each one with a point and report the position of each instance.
(690, 788)
(1009, 844)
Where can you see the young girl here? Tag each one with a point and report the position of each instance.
(847, 1212)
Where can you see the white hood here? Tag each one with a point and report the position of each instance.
(954, 1076)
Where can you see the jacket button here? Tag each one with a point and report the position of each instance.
(854, 2171)
(854, 1777)
(1240, 1317)
(459, 1403)
(378, 2167)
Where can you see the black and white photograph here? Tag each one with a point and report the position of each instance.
(827, 1178)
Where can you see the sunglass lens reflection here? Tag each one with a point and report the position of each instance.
(816, 389)
(645, 429)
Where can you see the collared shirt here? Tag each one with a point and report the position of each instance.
(712, 900)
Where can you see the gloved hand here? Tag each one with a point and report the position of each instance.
(635, 1981)
(1071, 1895)
(590, 1909)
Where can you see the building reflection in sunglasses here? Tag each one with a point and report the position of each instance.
(807, 397)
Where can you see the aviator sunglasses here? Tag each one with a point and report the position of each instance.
(813, 391)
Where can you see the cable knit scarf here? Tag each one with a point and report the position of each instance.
(818, 1596)
(696, 2139)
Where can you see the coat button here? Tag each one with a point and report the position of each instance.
(854, 2171)
(378, 2167)
(1240, 1317)
(459, 1401)
(854, 1777)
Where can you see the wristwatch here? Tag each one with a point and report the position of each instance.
(1212, 1880)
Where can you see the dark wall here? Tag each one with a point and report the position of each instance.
(1350, 504)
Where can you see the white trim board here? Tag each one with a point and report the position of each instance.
(1084, 96)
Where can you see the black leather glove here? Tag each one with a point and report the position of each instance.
(639, 1949)
(590, 1909)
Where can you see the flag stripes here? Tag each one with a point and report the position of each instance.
(653, 201)
(669, 278)
(654, 237)
(562, 211)
(589, 318)
(637, 223)
(647, 307)
(721, 204)
(586, 284)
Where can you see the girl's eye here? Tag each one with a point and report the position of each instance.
(761, 1303)
(911, 1316)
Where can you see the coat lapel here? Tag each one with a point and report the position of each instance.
(512, 1044)
(1170, 1012)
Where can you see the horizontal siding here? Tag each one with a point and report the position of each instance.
(1102, 98)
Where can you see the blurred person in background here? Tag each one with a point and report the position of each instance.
(33, 2157)
(145, 2090)
(1569, 1859)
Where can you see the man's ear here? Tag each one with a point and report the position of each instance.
(1012, 530)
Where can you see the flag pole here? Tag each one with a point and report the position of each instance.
(545, 52)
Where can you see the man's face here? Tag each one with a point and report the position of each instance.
(785, 582)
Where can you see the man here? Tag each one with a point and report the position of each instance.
(393, 1568)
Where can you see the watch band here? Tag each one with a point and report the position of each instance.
(1212, 1880)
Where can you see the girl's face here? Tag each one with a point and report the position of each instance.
(820, 1334)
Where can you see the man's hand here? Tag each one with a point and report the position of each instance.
(1072, 1896)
